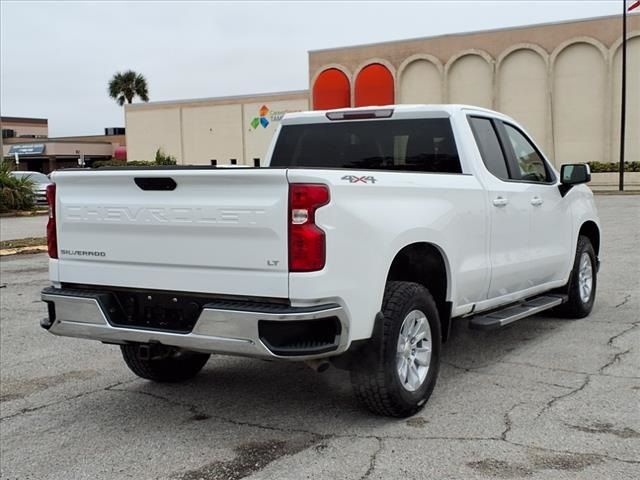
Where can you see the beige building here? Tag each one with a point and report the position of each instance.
(561, 81)
(209, 131)
(24, 127)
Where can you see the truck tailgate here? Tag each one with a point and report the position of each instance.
(217, 231)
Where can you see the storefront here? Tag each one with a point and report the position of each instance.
(48, 155)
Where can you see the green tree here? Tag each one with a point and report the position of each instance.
(124, 86)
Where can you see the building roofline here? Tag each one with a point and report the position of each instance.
(71, 137)
(29, 141)
(229, 98)
(30, 120)
(472, 32)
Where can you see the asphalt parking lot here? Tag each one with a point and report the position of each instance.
(542, 399)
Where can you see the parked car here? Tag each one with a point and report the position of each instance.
(40, 182)
(372, 230)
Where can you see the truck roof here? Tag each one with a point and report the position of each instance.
(398, 110)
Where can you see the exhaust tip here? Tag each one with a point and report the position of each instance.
(318, 365)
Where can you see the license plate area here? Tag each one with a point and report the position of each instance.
(155, 311)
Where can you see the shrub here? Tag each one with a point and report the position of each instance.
(109, 163)
(161, 159)
(15, 193)
(122, 163)
(604, 167)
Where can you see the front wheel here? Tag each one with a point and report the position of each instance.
(162, 364)
(581, 289)
(398, 370)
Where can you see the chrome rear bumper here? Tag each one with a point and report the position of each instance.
(222, 327)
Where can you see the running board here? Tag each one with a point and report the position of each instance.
(513, 313)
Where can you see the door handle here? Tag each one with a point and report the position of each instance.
(500, 201)
(536, 201)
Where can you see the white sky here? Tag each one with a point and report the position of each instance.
(57, 57)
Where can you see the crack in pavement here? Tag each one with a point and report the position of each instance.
(626, 299)
(196, 411)
(624, 332)
(557, 398)
(372, 460)
(614, 360)
(508, 423)
(578, 372)
(504, 375)
(24, 411)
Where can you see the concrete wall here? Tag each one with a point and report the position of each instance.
(212, 133)
(198, 131)
(470, 80)
(524, 92)
(632, 137)
(148, 130)
(561, 81)
(421, 81)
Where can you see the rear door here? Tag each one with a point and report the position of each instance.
(191, 230)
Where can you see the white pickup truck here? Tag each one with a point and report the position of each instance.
(368, 233)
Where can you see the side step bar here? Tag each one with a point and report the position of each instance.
(513, 313)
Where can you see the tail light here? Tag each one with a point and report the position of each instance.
(307, 244)
(52, 236)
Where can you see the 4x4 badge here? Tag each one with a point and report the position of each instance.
(354, 179)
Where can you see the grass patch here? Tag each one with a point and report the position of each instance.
(23, 242)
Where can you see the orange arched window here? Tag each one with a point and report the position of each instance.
(331, 90)
(374, 86)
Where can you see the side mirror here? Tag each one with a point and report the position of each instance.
(573, 174)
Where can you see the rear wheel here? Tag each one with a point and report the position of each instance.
(161, 363)
(398, 370)
(582, 283)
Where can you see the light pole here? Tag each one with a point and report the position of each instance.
(623, 106)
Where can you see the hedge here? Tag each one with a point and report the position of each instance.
(604, 167)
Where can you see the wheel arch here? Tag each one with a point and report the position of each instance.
(426, 264)
(590, 230)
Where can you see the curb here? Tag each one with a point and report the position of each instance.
(616, 192)
(23, 250)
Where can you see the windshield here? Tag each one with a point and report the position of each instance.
(417, 145)
(35, 177)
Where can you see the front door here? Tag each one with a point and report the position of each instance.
(550, 230)
(510, 212)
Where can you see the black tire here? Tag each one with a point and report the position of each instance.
(576, 307)
(376, 382)
(164, 364)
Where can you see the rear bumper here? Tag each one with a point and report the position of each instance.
(222, 327)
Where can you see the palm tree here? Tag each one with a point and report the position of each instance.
(126, 85)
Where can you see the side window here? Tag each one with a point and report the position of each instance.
(489, 145)
(529, 163)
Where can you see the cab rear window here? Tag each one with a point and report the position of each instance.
(418, 145)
